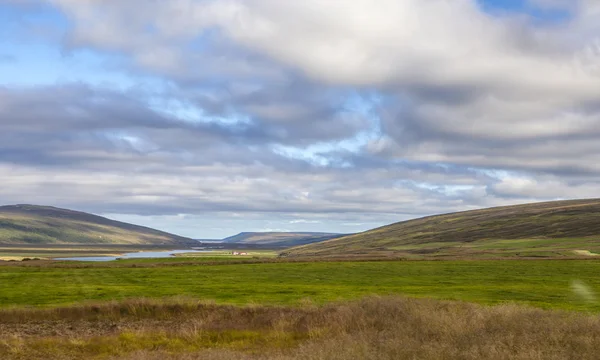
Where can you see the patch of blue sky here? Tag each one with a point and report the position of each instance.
(14, 15)
(498, 173)
(33, 37)
(449, 190)
(311, 155)
(539, 14)
(40, 63)
(184, 110)
(326, 154)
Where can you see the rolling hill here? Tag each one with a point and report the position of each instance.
(30, 224)
(280, 239)
(550, 229)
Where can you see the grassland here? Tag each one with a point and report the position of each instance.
(543, 283)
(198, 308)
(383, 294)
(40, 225)
(376, 295)
(550, 230)
(373, 328)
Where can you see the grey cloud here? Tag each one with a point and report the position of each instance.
(449, 110)
(77, 119)
(73, 158)
(513, 83)
(295, 111)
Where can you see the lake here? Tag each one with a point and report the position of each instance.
(133, 255)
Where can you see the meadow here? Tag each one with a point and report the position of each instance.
(272, 309)
(549, 284)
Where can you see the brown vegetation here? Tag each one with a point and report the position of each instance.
(373, 328)
(575, 224)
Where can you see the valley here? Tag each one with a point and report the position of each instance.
(503, 264)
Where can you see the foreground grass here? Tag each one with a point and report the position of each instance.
(371, 328)
(545, 283)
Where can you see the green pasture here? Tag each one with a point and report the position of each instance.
(562, 284)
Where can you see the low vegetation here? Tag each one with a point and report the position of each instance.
(541, 283)
(559, 229)
(372, 328)
(42, 225)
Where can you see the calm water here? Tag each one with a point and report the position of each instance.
(134, 255)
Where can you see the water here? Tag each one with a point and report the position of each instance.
(134, 255)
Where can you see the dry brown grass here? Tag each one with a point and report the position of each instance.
(373, 328)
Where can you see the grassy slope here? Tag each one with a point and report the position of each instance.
(279, 238)
(28, 224)
(552, 229)
(559, 284)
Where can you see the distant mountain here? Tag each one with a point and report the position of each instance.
(541, 230)
(31, 224)
(280, 239)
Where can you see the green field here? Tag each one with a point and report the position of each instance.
(561, 284)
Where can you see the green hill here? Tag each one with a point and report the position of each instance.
(551, 229)
(30, 224)
(279, 239)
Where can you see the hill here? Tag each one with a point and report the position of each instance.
(550, 229)
(280, 239)
(30, 224)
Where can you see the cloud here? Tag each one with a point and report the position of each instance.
(76, 145)
(514, 83)
(314, 110)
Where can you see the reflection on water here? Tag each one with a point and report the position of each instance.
(134, 255)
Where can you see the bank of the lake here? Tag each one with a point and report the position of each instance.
(134, 255)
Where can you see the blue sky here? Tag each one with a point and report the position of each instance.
(208, 118)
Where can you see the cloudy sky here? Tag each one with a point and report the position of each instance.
(206, 117)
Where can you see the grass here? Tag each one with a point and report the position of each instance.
(220, 307)
(552, 230)
(499, 248)
(372, 328)
(541, 283)
(39, 225)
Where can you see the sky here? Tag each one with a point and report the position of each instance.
(206, 118)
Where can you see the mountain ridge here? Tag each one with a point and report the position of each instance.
(279, 238)
(36, 224)
(548, 229)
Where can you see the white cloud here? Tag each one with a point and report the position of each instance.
(444, 81)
